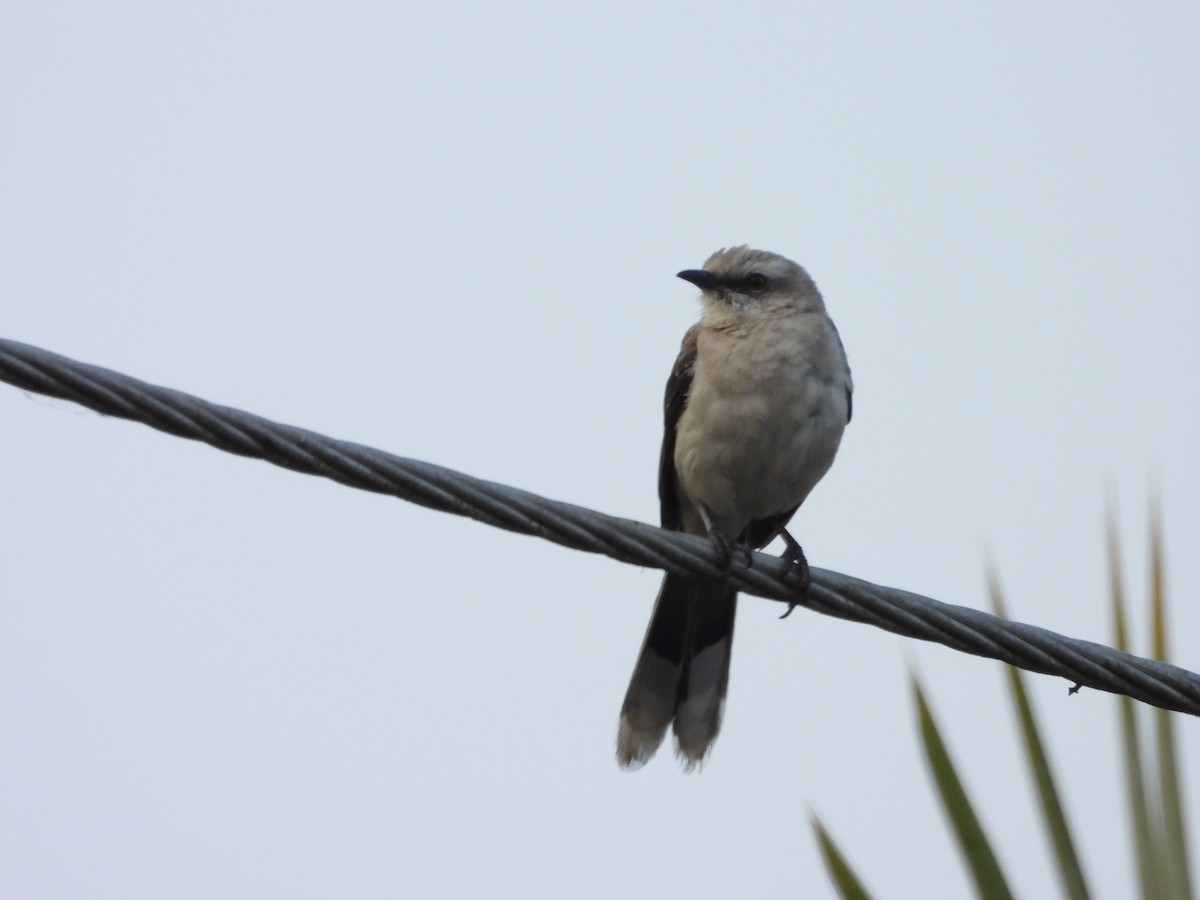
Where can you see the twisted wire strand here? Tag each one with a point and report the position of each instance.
(831, 593)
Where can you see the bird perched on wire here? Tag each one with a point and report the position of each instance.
(753, 416)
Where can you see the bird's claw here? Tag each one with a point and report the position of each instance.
(747, 554)
(794, 554)
(727, 550)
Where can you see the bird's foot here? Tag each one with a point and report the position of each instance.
(794, 554)
(727, 549)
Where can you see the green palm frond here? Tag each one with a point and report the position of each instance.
(976, 850)
(1054, 817)
(1156, 806)
(840, 872)
(1152, 773)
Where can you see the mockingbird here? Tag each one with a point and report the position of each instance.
(754, 412)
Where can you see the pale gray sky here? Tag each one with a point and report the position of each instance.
(451, 231)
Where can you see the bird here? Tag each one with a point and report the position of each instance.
(753, 416)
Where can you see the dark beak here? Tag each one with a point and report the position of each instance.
(706, 281)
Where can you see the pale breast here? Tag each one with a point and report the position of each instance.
(763, 419)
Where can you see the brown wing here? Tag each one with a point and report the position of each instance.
(678, 386)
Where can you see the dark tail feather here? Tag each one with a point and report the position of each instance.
(682, 673)
(701, 703)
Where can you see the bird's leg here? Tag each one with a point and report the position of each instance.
(721, 543)
(794, 554)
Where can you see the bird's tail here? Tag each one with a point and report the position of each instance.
(682, 673)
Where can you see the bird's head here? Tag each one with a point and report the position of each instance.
(754, 280)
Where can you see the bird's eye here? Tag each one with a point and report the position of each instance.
(756, 281)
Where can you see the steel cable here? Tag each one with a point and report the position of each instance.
(831, 593)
